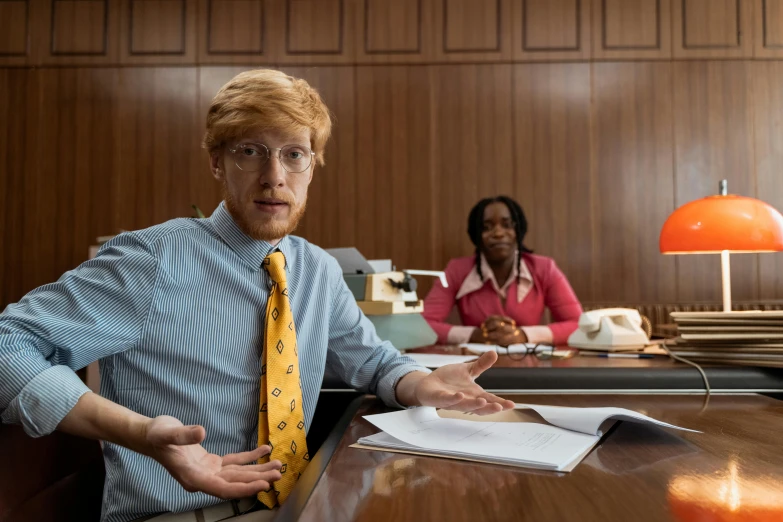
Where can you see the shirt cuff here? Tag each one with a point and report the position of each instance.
(45, 401)
(387, 387)
(459, 334)
(538, 334)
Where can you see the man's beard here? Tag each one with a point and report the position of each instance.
(270, 229)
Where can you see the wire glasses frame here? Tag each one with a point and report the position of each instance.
(250, 157)
(542, 352)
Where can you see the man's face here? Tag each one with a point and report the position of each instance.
(266, 203)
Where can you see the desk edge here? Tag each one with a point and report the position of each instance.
(297, 501)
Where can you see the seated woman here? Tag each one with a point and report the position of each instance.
(502, 291)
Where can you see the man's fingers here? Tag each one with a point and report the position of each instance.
(444, 399)
(267, 466)
(481, 364)
(247, 477)
(491, 398)
(490, 408)
(238, 489)
(246, 457)
(468, 405)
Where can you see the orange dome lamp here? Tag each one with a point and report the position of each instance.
(725, 223)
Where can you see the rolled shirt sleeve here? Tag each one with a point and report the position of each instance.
(356, 353)
(93, 311)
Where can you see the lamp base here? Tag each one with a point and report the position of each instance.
(725, 268)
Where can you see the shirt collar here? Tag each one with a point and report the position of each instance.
(473, 282)
(251, 251)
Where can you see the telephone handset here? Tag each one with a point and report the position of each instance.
(608, 330)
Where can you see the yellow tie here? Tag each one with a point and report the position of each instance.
(281, 417)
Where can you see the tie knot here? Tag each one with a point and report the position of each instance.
(274, 264)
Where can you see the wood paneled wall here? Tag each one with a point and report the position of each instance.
(196, 32)
(599, 116)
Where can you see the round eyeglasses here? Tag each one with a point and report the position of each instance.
(518, 352)
(251, 157)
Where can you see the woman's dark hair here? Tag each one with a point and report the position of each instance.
(476, 226)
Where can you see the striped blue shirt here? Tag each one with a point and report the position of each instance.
(175, 314)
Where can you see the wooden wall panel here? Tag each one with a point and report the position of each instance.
(79, 27)
(69, 200)
(472, 148)
(75, 32)
(392, 27)
(551, 105)
(471, 26)
(393, 158)
(232, 31)
(551, 30)
(632, 29)
(472, 30)
(713, 140)
(768, 29)
(314, 27)
(712, 28)
(14, 32)
(389, 32)
(634, 181)
(768, 141)
(159, 31)
(312, 31)
(158, 143)
(18, 109)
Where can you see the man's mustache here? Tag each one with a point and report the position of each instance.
(283, 196)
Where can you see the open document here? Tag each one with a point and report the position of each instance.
(553, 438)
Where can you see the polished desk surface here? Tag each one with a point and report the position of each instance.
(731, 471)
(515, 374)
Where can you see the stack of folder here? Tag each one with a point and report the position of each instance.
(752, 338)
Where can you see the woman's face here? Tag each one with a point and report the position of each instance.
(499, 237)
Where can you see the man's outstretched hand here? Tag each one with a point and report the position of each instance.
(178, 449)
(453, 387)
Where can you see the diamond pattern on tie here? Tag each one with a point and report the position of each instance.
(283, 468)
(280, 421)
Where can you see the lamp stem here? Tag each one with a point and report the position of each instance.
(725, 268)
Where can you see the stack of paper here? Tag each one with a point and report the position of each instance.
(746, 338)
(436, 360)
(556, 439)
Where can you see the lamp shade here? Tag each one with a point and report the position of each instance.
(717, 223)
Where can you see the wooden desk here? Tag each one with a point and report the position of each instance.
(637, 473)
(581, 375)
